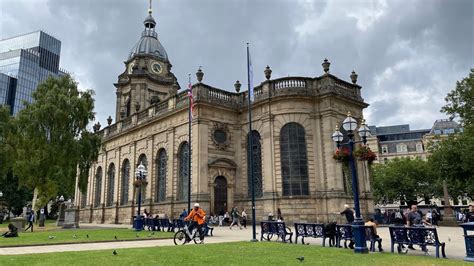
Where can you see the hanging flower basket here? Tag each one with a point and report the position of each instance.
(341, 155)
(364, 153)
(140, 182)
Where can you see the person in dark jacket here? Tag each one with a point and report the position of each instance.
(348, 213)
(12, 231)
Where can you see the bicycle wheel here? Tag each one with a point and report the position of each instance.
(180, 238)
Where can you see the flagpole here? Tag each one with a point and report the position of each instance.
(189, 142)
(250, 149)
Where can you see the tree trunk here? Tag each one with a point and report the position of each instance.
(35, 197)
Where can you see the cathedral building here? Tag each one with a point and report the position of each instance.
(292, 150)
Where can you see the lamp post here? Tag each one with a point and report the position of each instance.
(350, 125)
(141, 174)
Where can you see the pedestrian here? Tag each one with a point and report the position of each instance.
(226, 217)
(31, 219)
(196, 216)
(469, 217)
(414, 218)
(244, 218)
(183, 214)
(429, 217)
(279, 216)
(350, 219)
(235, 218)
(221, 217)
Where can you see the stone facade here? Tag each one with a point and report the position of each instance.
(152, 126)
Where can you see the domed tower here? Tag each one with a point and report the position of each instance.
(147, 78)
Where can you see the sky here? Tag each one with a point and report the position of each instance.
(408, 54)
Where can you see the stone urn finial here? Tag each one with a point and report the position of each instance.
(326, 65)
(122, 113)
(199, 74)
(96, 127)
(109, 120)
(268, 72)
(237, 86)
(354, 77)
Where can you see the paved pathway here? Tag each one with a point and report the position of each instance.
(453, 236)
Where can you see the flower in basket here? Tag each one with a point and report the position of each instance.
(341, 155)
(140, 182)
(364, 153)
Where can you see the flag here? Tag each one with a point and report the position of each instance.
(191, 98)
(250, 74)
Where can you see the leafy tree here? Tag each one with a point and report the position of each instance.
(51, 139)
(403, 179)
(14, 197)
(452, 160)
(460, 101)
(6, 154)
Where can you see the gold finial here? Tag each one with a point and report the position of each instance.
(349, 114)
(337, 127)
(149, 8)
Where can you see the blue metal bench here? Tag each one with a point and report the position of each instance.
(344, 232)
(268, 229)
(315, 230)
(422, 236)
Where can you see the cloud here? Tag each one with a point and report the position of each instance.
(408, 54)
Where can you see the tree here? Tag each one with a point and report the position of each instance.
(452, 160)
(403, 179)
(6, 154)
(15, 197)
(51, 139)
(460, 101)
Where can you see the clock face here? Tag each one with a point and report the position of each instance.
(156, 67)
(130, 67)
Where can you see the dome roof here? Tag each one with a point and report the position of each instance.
(149, 43)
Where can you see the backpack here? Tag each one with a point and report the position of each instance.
(398, 216)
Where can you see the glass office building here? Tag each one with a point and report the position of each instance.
(25, 61)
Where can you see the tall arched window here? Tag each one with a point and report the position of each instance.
(142, 160)
(98, 186)
(83, 199)
(110, 185)
(125, 182)
(294, 161)
(256, 163)
(160, 190)
(183, 160)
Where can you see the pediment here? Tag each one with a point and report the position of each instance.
(222, 163)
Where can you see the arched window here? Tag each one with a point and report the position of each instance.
(110, 185)
(98, 186)
(125, 182)
(183, 160)
(142, 160)
(294, 161)
(256, 165)
(83, 199)
(160, 190)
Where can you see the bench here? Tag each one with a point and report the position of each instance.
(270, 228)
(208, 231)
(315, 230)
(344, 232)
(422, 236)
(178, 223)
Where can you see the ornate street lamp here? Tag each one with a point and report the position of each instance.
(141, 174)
(350, 125)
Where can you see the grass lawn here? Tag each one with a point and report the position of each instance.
(54, 235)
(237, 253)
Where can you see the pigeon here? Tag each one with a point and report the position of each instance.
(115, 252)
(301, 259)
(51, 237)
(87, 236)
(116, 238)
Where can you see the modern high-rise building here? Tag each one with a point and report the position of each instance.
(25, 61)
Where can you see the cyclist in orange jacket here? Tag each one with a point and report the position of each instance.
(197, 216)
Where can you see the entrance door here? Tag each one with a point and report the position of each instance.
(220, 194)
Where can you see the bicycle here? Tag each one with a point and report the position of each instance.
(180, 236)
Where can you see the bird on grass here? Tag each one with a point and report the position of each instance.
(115, 252)
(51, 237)
(301, 259)
(87, 236)
(153, 233)
(115, 237)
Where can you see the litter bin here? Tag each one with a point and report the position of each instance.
(469, 240)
